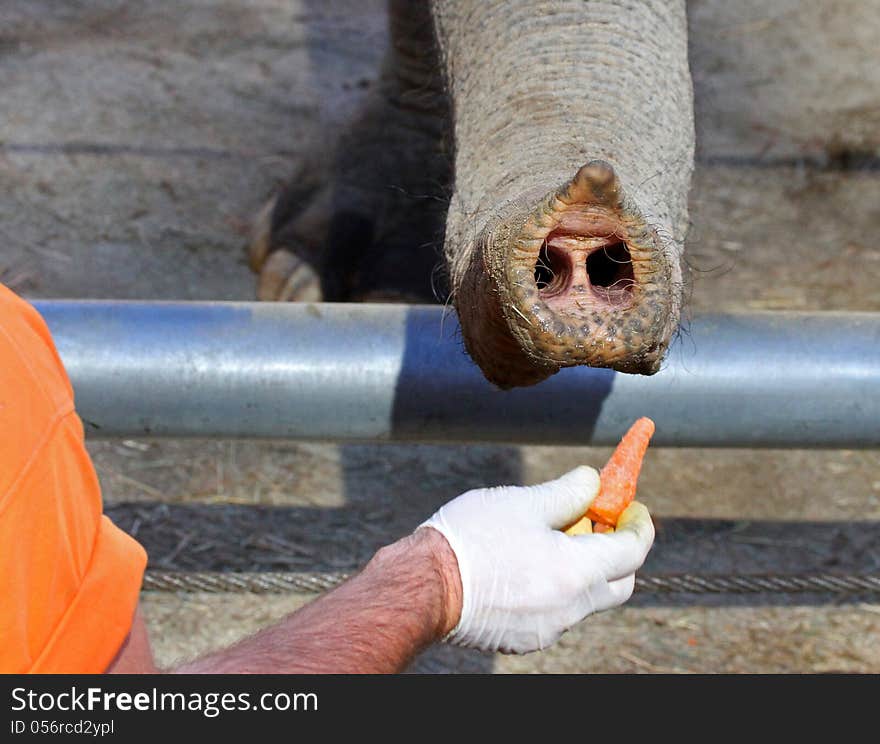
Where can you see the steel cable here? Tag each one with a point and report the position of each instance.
(316, 582)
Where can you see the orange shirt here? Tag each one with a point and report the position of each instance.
(69, 578)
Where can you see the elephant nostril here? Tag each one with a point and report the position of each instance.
(552, 271)
(610, 271)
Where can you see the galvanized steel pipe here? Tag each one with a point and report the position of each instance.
(399, 372)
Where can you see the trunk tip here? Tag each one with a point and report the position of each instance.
(594, 183)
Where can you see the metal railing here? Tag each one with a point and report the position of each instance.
(399, 373)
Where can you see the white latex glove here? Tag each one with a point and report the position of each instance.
(524, 581)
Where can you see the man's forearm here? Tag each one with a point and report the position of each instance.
(407, 597)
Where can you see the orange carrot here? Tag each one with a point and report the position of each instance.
(621, 473)
(617, 480)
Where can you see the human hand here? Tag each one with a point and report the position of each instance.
(524, 582)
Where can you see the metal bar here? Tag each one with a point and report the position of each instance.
(398, 372)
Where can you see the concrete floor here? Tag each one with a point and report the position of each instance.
(138, 141)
